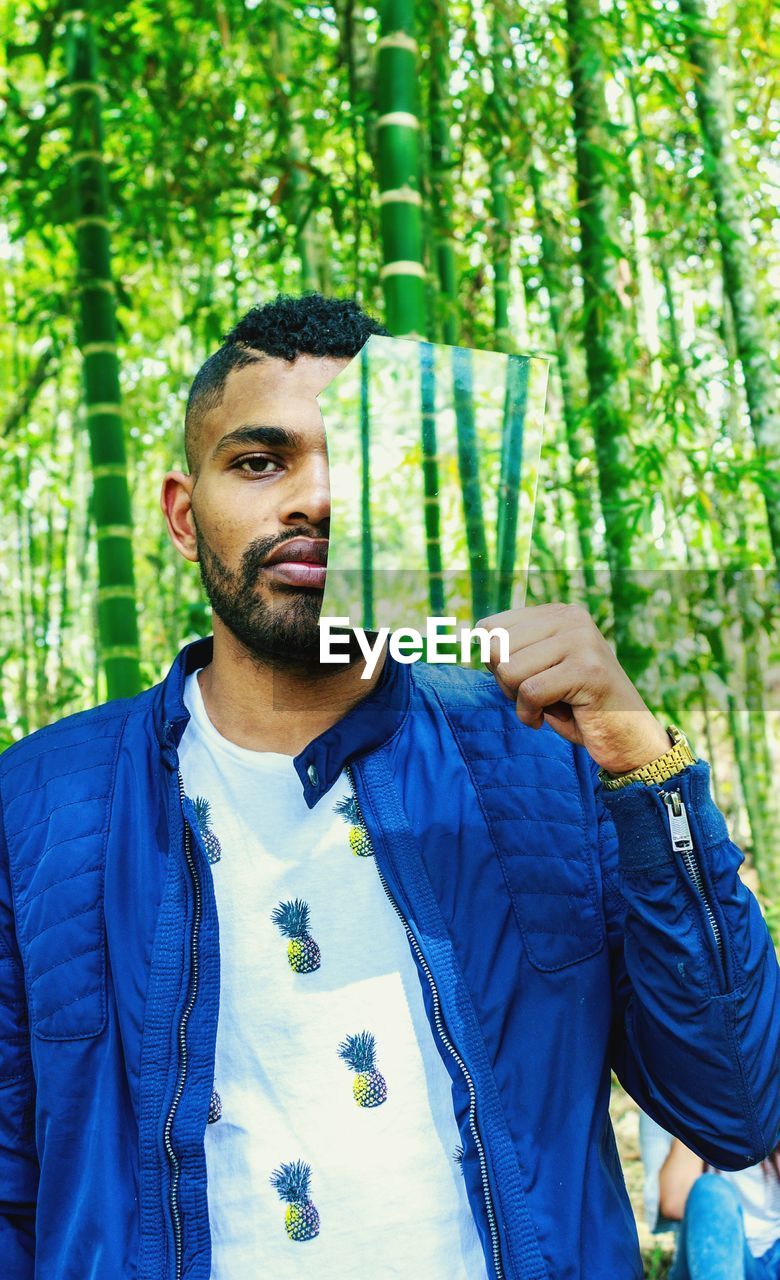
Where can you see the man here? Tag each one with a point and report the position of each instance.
(325, 977)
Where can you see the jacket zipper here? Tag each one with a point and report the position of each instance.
(173, 1159)
(682, 843)
(437, 1015)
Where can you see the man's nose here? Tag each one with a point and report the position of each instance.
(307, 500)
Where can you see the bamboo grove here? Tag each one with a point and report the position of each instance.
(585, 180)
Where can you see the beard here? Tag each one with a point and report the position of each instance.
(278, 628)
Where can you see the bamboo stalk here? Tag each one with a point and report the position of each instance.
(501, 222)
(468, 467)
(739, 275)
(366, 545)
(398, 162)
(706, 714)
(23, 403)
(762, 806)
(556, 290)
(602, 327)
(441, 174)
(515, 404)
(21, 595)
(357, 55)
(63, 594)
(431, 512)
(117, 619)
(297, 202)
(42, 613)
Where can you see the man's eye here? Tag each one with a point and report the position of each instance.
(256, 465)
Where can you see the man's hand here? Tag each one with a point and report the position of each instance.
(562, 670)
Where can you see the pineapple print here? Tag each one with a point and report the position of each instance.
(292, 919)
(301, 1219)
(458, 1155)
(359, 1053)
(358, 836)
(210, 842)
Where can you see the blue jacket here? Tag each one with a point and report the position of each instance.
(557, 931)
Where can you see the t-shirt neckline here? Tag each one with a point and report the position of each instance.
(267, 761)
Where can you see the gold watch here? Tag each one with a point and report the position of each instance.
(666, 766)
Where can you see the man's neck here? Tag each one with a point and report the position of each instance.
(275, 708)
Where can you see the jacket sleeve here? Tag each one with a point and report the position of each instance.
(18, 1159)
(696, 1031)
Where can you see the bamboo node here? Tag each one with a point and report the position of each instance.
(85, 86)
(85, 155)
(113, 531)
(400, 195)
(109, 471)
(124, 592)
(405, 119)
(398, 40)
(92, 220)
(112, 651)
(108, 286)
(99, 349)
(403, 267)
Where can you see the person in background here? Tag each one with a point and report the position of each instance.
(727, 1223)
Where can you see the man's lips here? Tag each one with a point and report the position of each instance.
(299, 562)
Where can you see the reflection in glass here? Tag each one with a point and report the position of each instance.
(434, 457)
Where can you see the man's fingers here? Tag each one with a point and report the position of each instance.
(533, 624)
(530, 661)
(559, 711)
(546, 688)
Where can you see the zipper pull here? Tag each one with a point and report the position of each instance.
(679, 829)
(682, 843)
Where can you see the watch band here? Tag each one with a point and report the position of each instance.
(666, 766)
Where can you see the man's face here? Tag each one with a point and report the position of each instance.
(261, 506)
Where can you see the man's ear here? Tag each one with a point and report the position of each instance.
(176, 506)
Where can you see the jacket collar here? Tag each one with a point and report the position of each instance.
(366, 727)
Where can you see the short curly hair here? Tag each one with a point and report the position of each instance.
(285, 328)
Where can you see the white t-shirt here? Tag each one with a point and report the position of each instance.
(758, 1189)
(326, 1068)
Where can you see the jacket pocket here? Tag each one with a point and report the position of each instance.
(557, 909)
(534, 810)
